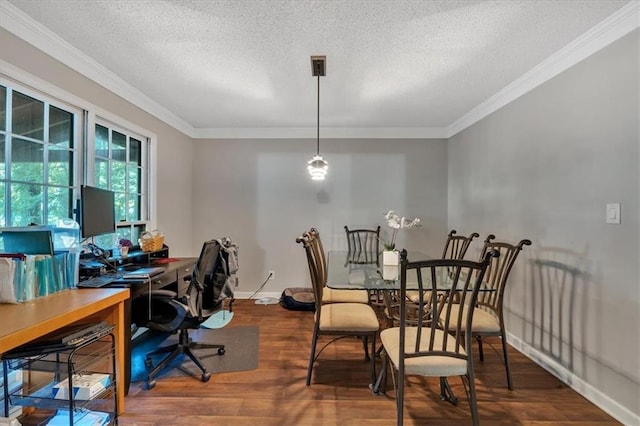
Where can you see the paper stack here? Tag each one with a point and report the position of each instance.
(85, 386)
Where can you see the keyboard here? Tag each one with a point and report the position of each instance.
(97, 281)
(143, 273)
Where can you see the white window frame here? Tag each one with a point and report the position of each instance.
(114, 122)
(48, 100)
(21, 80)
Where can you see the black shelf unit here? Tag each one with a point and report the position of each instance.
(50, 375)
(138, 256)
(90, 266)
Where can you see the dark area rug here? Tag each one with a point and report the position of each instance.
(241, 346)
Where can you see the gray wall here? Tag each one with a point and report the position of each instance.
(259, 193)
(543, 168)
(174, 149)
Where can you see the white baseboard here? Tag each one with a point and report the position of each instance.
(603, 401)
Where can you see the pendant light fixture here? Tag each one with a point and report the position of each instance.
(317, 166)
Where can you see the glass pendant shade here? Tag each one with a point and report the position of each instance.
(317, 168)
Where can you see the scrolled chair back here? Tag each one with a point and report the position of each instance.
(441, 284)
(363, 245)
(498, 271)
(456, 246)
(317, 268)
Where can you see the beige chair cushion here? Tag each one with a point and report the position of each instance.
(413, 295)
(483, 321)
(431, 366)
(331, 295)
(356, 317)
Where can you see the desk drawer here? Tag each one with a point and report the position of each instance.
(183, 272)
(164, 280)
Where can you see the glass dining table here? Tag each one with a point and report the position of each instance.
(345, 274)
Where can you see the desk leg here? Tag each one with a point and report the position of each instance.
(127, 346)
(118, 318)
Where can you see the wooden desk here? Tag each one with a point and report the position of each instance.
(25, 322)
(172, 277)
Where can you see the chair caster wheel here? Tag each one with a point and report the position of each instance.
(151, 384)
(221, 351)
(205, 377)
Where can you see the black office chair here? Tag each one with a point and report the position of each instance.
(209, 285)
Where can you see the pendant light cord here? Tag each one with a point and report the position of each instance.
(318, 128)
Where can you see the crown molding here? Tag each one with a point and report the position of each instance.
(611, 29)
(34, 33)
(326, 133)
(23, 78)
(614, 27)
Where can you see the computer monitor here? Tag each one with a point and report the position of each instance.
(97, 211)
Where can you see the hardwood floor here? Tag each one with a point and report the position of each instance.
(275, 393)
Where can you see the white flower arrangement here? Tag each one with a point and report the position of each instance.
(396, 222)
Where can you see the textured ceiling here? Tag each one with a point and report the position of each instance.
(390, 64)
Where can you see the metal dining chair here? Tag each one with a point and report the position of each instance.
(488, 319)
(363, 246)
(432, 346)
(336, 320)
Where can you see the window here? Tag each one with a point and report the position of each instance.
(38, 158)
(120, 165)
(44, 159)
